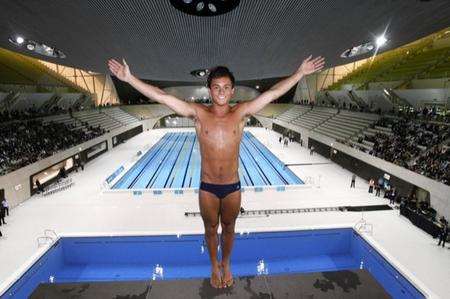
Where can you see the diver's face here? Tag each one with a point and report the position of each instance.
(221, 90)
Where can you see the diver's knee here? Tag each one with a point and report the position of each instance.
(211, 229)
(227, 227)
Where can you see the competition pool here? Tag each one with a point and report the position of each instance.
(182, 257)
(174, 163)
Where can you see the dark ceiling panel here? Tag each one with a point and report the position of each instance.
(259, 39)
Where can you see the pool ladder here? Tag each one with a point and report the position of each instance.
(49, 237)
(362, 226)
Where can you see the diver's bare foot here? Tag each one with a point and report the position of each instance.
(216, 277)
(227, 275)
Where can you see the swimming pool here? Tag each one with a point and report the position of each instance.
(174, 162)
(168, 257)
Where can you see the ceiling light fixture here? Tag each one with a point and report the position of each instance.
(365, 48)
(381, 41)
(36, 47)
(212, 7)
(205, 8)
(358, 50)
(200, 73)
(200, 6)
(30, 47)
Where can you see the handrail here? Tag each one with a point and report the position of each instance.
(49, 237)
(362, 226)
(46, 240)
(49, 232)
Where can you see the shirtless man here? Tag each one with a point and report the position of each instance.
(219, 130)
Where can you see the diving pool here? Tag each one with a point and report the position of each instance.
(167, 257)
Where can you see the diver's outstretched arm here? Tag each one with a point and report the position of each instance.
(308, 66)
(122, 72)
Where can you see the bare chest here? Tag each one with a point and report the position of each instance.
(219, 133)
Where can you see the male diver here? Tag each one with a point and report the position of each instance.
(219, 130)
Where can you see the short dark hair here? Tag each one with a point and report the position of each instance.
(219, 72)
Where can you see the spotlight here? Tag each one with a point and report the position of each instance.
(257, 86)
(47, 48)
(200, 6)
(380, 41)
(19, 40)
(30, 46)
(201, 73)
(212, 7)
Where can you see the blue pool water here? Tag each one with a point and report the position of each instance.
(78, 259)
(174, 162)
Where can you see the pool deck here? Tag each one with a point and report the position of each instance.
(87, 210)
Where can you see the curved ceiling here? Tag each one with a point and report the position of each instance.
(259, 39)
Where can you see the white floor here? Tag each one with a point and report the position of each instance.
(86, 209)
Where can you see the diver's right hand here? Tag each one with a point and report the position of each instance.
(121, 71)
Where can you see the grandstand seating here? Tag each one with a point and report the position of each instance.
(418, 145)
(293, 113)
(95, 118)
(346, 124)
(328, 121)
(418, 136)
(67, 129)
(25, 142)
(434, 163)
(109, 118)
(416, 60)
(314, 118)
(20, 70)
(359, 141)
(68, 100)
(413, 65)
(26, 100)
(370, 70)
(64, 119)
(272, 110)
(120, 115)
(147, 111)
(441, 70)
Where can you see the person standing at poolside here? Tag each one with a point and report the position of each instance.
(219, 130)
